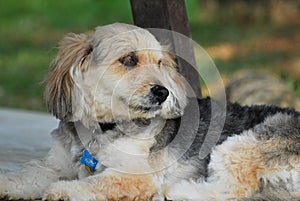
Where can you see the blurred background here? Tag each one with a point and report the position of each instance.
(237, 34)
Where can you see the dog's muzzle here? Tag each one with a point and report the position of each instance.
(159, 94)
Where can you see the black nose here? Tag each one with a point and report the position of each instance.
(160, 93)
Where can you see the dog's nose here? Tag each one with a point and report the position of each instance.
(160, 93)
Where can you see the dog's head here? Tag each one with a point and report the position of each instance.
(121, 72)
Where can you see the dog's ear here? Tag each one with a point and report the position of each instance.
(74, 55)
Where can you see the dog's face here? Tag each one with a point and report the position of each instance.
(119, 73)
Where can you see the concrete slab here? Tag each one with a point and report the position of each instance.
(24, 136)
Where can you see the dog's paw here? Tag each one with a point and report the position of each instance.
(4, 191)
(71, 191)
(8, 190)
(186, 190)
(51, 196)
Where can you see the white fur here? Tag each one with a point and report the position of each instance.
(98, 89)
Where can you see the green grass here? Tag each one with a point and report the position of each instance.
(29, 32)
(31, 29)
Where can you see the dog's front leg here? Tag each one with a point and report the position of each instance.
(36, 176)
(109, 185)
(28, 183)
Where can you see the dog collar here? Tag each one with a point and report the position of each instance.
(90, 162)
(86, 136)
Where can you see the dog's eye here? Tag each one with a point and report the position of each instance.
(159, 63)
(129, 60)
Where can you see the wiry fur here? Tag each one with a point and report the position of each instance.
(149, 150)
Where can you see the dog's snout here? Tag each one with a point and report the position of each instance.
(160, 93)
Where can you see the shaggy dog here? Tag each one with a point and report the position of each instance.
(130, 130)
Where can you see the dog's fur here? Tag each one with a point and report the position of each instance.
(102, 86)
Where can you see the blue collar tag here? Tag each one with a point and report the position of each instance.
(89, 161)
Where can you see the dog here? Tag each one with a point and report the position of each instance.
(131, 130)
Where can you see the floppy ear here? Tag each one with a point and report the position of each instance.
(74, 55)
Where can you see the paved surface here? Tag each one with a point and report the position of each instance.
(24, 136)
